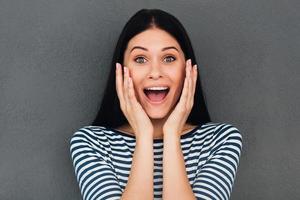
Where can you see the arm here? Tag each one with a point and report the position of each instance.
(175, 181)
(216, 177)
(140, 182)
(96, 176)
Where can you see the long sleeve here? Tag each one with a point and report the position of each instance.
(215, 178)
(95, 175)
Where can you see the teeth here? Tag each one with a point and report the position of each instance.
(157, 88)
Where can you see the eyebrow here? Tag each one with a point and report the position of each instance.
(163, 49)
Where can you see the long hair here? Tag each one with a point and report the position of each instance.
(110, 113)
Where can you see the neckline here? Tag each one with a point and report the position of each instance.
(187, 134)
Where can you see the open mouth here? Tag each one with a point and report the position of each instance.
(156, 94)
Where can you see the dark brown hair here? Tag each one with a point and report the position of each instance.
(110, 113)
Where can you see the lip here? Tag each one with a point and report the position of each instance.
(156, 102)
(158, 86)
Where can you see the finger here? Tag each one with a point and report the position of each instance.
(195, 75)
(188, 72)
(184, 93)
(190, 90)
(119, 84)
(131, 93)
(126, 88)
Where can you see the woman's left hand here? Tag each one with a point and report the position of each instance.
(177, 119)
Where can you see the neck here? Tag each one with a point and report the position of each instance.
(158, 128)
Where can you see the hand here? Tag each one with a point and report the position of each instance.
(177, 119)
(132, 109)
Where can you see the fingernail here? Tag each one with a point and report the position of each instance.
(125, 69)
(117, 66)
(195, 67)
(190, 61)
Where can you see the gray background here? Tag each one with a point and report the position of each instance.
(54, 58)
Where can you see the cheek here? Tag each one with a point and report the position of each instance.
(178, 77)
(136, 80)
(134, 75)
(178, 70)
(180, 85)
(138, 75)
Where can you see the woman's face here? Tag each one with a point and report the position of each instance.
(154, 59)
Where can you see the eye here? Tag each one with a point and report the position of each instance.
(139, 60)
(170, 58)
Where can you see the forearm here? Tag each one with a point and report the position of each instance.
(175, 180)
(140, 180)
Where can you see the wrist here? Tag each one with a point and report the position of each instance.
(144, 136)
(171, 135)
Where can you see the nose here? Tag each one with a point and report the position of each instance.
(155, 71)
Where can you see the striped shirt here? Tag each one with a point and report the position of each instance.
(102, 160)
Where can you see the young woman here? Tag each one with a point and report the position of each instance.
(153, 137)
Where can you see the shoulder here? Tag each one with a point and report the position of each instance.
(92, 140)
(91, 134)
(226, 136)
(223, 131)
(219, 128)
(217, 133)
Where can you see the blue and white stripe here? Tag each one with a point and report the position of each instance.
(102, 160)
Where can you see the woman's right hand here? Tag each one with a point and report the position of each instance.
(132, 109)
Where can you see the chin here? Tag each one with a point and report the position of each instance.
(157, 115)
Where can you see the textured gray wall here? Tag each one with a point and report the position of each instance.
(54, 58)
